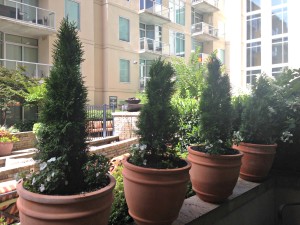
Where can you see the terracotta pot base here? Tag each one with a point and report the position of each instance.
(6, 148)
(257, 160)
(213, 177)
(154, 196)
(91, 208)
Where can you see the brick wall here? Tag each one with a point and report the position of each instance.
(27, 140)
(125, 124)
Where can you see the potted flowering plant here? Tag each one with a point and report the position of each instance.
(7, 140)
(72, 186)
(155, 179)
(215, 165)
(262, 124)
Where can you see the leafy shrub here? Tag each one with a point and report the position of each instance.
(264, 114)
(119, 211)
(238, 106)
(188, 121)
(25, 125)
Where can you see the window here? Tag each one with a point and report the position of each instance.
(72, 11)
(124, 70)
(124, 30)
(197, 44)
(253, 26)
(144, 72)
(276, 71)
(221, 55)
(280, 50)
(177, 43)
(1, 47)
(254, 54)
(279, 21)
(251, 76)
(278, 2)
(253, 5)
(177, 11)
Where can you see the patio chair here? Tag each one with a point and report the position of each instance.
(8, 198)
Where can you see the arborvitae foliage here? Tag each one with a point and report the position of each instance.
(157, 123)
(63, 115)
(263, 116)
(215, 109)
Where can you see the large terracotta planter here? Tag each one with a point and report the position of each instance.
(154, 196)
(257, 160)
(91, 208)
(213, 177)
(6, 148)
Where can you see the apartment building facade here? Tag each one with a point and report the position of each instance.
(261, 37)
(121, 38)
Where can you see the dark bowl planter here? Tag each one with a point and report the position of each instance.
(133, 101)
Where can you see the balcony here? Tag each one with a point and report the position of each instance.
(204, 32)
(206, 6)
(153, 13)
(36, 70)
(151, 49)
(26, 20)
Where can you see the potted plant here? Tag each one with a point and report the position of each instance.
(72, 187)
(261, 125)
(155, 179)
(215, 166)
(6, 141)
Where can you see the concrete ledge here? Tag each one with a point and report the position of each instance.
(196, 211)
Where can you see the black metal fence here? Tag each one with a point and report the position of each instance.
(100, 121)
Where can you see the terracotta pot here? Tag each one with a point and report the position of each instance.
(91, 208)
(6, 148)
(213, 177)
(154, 196)
(257, 160)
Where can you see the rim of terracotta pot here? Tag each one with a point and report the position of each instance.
(215, 156)
(255, 145)
(64, 199)
(149, 170)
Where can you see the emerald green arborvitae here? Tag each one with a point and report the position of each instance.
(157, 123)
(215, 107)
(63, 114)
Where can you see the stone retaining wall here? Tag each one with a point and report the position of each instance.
(27, 140)
(125, 124)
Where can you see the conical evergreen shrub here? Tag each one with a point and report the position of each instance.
(62, 147)
(216, 109)
(157, 123)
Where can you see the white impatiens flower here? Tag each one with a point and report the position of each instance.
(42, 188)
(53, 159)
(48, 178)
(97, 174)
(143, 147)
(145, 162)
(66, 182)
(33, 181)
(52, 175)
(43, 165)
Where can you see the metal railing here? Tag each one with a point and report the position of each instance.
(100, 121)
(27, 13)
(155, 8)
(211, 2)
(204, 28)
(157, 47)
(36, 70)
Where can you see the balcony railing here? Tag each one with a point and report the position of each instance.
(211, 2)
(153, 46)
(204, 28)
(27, 13)
(155, 8)
(36, 70)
